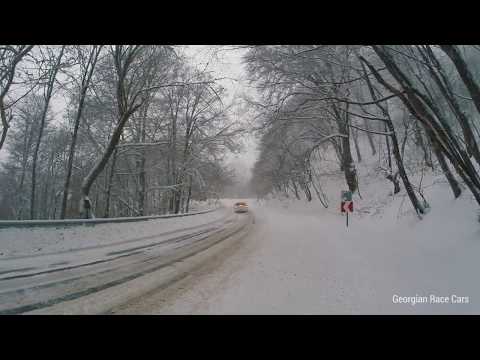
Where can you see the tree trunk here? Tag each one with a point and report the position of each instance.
(141, 168)
(51, 81)
(110, 184)
(5, 123)
(176, 208)
(27, 144)
(189, 196)
(357, 149)
(429, 152)
(142, 186)
(389, 153)
(173, 165)
(446, 171)
(401, 170)
(347, 160)
(45, 197)
(306, 190)
(396, 184)
(87, 76)
(370, 138)
(71, 153)
(295, 190)
(465, 74)
(338, 152)
(419, 141)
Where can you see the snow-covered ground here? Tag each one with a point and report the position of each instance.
(16, 242)
(302, 259)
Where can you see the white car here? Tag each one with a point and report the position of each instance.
(240, 207)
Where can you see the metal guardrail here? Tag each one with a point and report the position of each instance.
(92, 222)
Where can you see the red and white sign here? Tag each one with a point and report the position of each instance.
(346, 206)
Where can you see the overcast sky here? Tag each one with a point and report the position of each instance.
(227, 63)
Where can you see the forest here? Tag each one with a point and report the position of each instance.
(420, 103)
(134, 130)
(109, 131)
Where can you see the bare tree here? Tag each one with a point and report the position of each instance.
(433, 120)
(10, 57)
(87, 60)
(53, 67)
(453, 53)
(135, 68)
(115, 118)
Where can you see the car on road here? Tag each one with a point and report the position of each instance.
(240, 207)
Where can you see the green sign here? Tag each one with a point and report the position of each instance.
(346, 196)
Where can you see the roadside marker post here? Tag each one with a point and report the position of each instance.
(346, 204)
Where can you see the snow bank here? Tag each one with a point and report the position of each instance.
(28, 241)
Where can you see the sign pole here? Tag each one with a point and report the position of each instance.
(346, 200)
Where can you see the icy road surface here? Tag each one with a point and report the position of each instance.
(83, 265)
(299, 261)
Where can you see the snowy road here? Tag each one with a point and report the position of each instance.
(310, 263)
(32, 282)
(277, 259)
